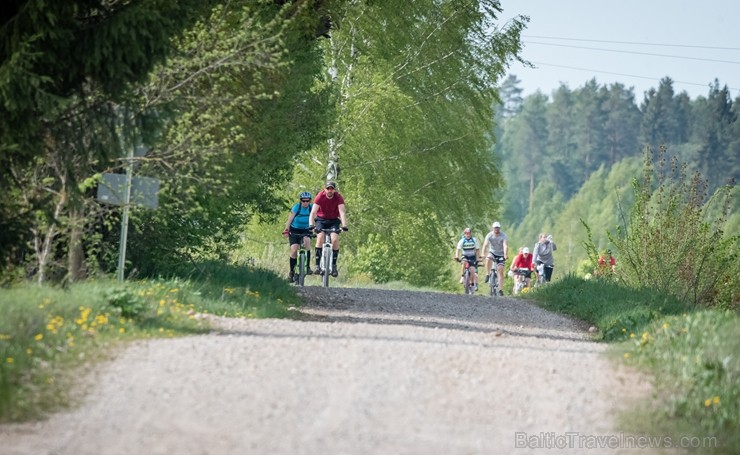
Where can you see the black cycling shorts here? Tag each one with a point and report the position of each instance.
(295, 236)
(328, 224)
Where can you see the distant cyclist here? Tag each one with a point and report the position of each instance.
(296, 227)
(498, 252)
(470, 249)
(328, 212)
(542, 255)
(523, 260)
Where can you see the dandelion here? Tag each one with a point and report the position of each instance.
(174, 290)
(707, 402)
(162, 302)
(624, 330)
(39, 337)
(632, 335)
(122, 330)
(627, 355)
(29, 352)
(4, 337)
(9, 360)
(715, 400)
(666, 326)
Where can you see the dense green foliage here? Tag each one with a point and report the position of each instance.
(587, 145)
(668, 242)
(241, 103)
(65, 71)
(411, 145)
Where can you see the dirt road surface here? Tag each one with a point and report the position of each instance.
(359, 372)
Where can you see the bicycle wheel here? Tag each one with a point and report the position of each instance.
(466, 277)
(301, 267)
(326, 265)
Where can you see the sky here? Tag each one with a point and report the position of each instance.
(573, 41)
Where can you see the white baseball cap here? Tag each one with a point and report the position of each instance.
(496, 224)
(525, 250)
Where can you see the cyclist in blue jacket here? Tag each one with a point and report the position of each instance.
(295, 228)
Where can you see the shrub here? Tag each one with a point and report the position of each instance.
(668, 242)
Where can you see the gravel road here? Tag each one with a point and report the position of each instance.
(357, 372)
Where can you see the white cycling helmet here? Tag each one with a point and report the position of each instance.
(496, 224)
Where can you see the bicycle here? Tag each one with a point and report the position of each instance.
(540, 274)
(468, 282)
(326, 264)
(303, 265)
(521, 282)
(493, 282)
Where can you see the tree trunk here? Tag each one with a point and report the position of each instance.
(76, 257)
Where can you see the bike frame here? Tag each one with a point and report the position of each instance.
(493, 280)
(521, 280)
(326, 262)
(302, 262)
(467, 274)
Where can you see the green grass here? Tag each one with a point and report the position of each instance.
(47, 333)
(617, 311)
(692, 354)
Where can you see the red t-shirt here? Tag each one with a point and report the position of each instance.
(520, 262)
(602, 261)
(328, 208)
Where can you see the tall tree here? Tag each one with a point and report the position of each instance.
(511, 96)
(417, 87)
(622, 120)
(660, 124)
(589, 129)
(561, 141)
(714, 128)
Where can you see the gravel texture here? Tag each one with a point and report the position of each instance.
(357, 372)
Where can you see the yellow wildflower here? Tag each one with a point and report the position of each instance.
(39, 337)
(9, 360)
(626, 355)
(122, 330)
(715, 400)
(708, 402)
(666, 326)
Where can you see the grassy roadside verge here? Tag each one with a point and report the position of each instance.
(47, 333)
(693, 355)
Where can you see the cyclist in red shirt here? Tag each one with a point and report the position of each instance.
(522, 261)
(328, 212)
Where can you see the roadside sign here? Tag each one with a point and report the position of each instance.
(144, 190)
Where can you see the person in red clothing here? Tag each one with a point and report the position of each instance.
(603, 261)
(328, 212)
(522, 262)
